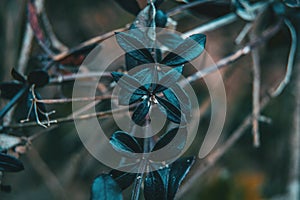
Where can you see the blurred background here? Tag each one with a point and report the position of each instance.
(57, 166)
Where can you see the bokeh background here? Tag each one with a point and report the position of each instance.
(57, 166)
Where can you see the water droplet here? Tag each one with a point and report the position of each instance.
(139, 177)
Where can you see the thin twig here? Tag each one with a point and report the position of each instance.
(72, 77)
(179, 9)
(70, 100)
(256, 95)
(289, 68)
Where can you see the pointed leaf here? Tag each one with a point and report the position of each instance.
(124, 179)
(10, 89)
(170, 40)
(154, 187)
(184, 104)
(161, 19)
(10, 164)
(131, 62)
(188, 50)
(129, 83)
(134, 47)
(176, 138)
(179, 170)
(39, 78)
(106, 188)
(17, 76)
(173, 113)
(140, 113)
(169, 79)
(292, 3)
(125, 143)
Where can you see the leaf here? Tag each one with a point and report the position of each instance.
(154, 187)
(8, 141)
(169, 79)
(292, 3)
(129, 83)
(125, 143)
(188, 50)
(173, 113)
(76, 56)
(176, 138)
(10, 164)
(164, 183)
(106, 188)
(170, 40)
(161, 19)
(10, 89)
(134, 47)
(141, 111)
(179, 170)
(184, 104)
(124, 179)
(17, 76)
(131, 62)
(39, 78)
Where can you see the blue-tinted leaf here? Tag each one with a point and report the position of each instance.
(170, 40)
(173, 113)
(292, 3)
(17, 76)
(106, 188)
(129, 83)
(154, 187)
(124, 179)
(144, 75)
(169, 79)
(177, 137)
(10, 164)
(38, 77)
(161, 19)
(126, 98)
(125, 143)
(179, 170)
(10, 89)
(140, 113)
(131, 62)
(188, 50)
(134, 47)
(184, 104)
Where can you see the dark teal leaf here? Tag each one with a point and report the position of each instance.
(161, 19)
(188, 50)
(125, 143)
(170, 40)
(124, 179)
(134, 47)
(106, 188)
(169, 79)
(179, 170)
(10, 164)
(10, 89)
(292, 3)
(131, 62)
(173, 113)
(129, 83)
(177, 137)
(17, 76)
(126, 98)
(154, 187)
(39, 78)
(184, 104)
(141, 111)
